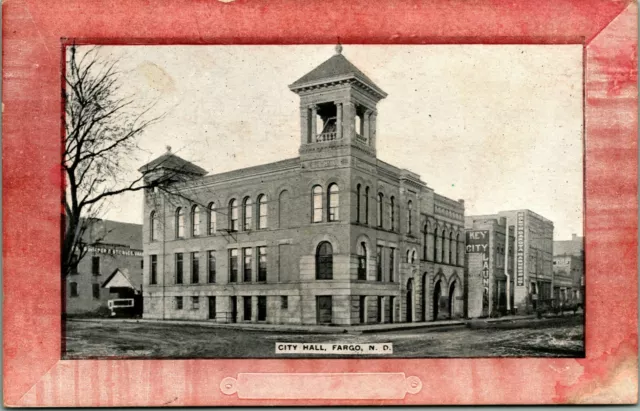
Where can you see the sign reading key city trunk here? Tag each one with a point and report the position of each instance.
(478, 243)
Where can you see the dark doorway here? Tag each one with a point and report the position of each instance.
(234, 309)
(410, 300)
(437, 293)
(323, 309)
(424, 297)
(262, 308)
(212, 308)
(363, 309)
(452, 299)
(247, 308)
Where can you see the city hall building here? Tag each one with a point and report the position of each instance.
(334, 236)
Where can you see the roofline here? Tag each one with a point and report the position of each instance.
(336, 79)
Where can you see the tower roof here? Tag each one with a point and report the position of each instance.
(337, 68)
(172, 162)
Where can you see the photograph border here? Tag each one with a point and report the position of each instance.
(33, 34)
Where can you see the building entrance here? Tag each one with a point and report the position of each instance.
(234, 309)
(437, 293)
(410, 300)
(452, 290)
(323, 309)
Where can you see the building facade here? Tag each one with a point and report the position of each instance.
(533, 258)
(490, 245)
(334, 236)
(568, 268)
(112, 246)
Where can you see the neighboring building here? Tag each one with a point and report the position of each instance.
(488, 284)
(115, 246)
(533, 256)
(568, 268)
(334, 236)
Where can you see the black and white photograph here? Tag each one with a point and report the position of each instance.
(323, 201)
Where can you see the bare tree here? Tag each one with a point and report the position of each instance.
(102, 127)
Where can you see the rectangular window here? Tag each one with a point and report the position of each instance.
(262, 263)
(73, 289)
(362, 267)
(212, 307)
(154, 269)
(392, 256)
(284, 302)
(379, 264)
(233, 266)
(195, 267)
(96, 291)
(95, 265)
(211, 266)
(247, 308)
(195, 303)
(141, 264)
(262, 308)
(247, 259)
(179, 266)
(178, 303)
(317, 204)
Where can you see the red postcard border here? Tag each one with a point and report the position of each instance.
(34, 375)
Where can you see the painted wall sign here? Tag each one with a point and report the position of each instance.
(478, 243)
(520, 250)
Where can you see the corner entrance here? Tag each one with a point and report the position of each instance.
(323, 309)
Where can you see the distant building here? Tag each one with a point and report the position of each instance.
(488, 283)
(568, 268)
(115, 247)
(533, 257)
(334, 236)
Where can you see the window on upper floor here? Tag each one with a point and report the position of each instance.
(380, 210)
(358, 194)
(153, 267)
(195, 221)
(153, 229)
(392, 206)
(378, 263)
(233, 215)
(316, 201)
(95, 265)
(73, 289)
(95, 288)
(211, 208)
(247, 213)
(366, 205)
(179, 268)
(333, 201)
(180, 222)
(409, 216)
(195, 267)
(262, 264)
(263, 212)
(324, 261)
(233, 265)
(211, 267)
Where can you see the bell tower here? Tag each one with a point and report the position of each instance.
(337, 107)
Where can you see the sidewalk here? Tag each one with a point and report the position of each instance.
(323, 329)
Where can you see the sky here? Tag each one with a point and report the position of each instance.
(499, 126)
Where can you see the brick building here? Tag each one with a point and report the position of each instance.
(568, 268)
(488, 282)
(114, 246)
(533, 256)
(332, 236)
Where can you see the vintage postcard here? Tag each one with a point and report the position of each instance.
(237, 208)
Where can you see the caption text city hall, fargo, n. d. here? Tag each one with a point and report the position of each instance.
(334, 236)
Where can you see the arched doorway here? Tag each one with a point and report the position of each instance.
(452, 301)
(424, 297)
(410, 300)
(437, 293)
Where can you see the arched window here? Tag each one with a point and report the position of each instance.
(317, 204)
(366, 205)
(247, 213)
(435, 244)
(358, 203)
(233, 215)
(262, 212)
(425, 244)
(393, 214)
(451, 248)
(179, 222)
(362, 261)
(153, 221)
(284, 219)
(444, 235)
(413, 256)
(458, 248)
(380, 209)
(212, 218)
(195, 221)
(409, 219)
(334, 202)
(408, 256)
(324, 261)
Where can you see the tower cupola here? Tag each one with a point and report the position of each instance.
(338, 105)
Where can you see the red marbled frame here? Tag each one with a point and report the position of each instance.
(34, 375)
